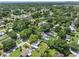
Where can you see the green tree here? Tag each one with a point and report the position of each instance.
(36, 54)
(51, 53)
(40, 52)
(12, 34)
(20, 25)
(26, 45)
(60, 45)
(42, 48)
(33, 38)
(1, 46)
(44, 28)
(17, 12)
(74, 42)
(25, 33)
(8, 44)
(37, 15)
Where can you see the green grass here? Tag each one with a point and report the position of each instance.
(16, 53)
(26, 46)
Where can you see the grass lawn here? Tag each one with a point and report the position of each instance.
(16, 53)
(26, 45)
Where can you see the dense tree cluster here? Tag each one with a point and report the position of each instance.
(56, 27)
(12, 34)
(60, 45)
(8, 44)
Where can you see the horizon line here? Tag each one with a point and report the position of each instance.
(39, 1)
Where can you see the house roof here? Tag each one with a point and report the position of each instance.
(1, 33)
(60, 55)
(25, 52)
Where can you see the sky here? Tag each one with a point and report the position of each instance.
(36, 0)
